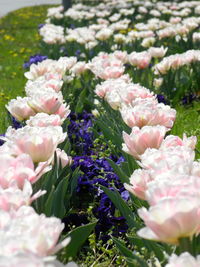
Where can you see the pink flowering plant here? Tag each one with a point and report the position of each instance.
(96, 150)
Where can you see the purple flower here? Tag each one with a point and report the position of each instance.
(120, 225)
(79, 134)
(1, 141)
(94, 171)
(188, 99)
(77, 53)
(40, 25)
(125, 195)
(34, 60)
(72, 26)
(74, 219)
(161, 99)
(16, 124)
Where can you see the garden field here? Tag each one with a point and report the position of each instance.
(100, 135)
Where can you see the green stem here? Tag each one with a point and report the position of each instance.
(185, 245)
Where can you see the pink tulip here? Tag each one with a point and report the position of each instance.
(171, 219)
(174, 158)
(173, 141)
(20, 109)
(106, 66)
(40, 69)
(63, 64)
(31, 260)
(44, 82)
(24, 231)
(121, 55)
(38, 142)
(63, 111)
(134, 91)
(63, 158)
(120, 93)
(147, 112)
(138, 183)
(49, 66)
(79, 68)
(46, 101)
(16, 169)
(112, 85)
(140, 139)
(111, 72)
(157, 52)
(44, 120)
(140, 59)
(183, 260)
(13, 198)
(172, 184)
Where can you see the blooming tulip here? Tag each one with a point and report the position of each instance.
(39, 142)
(25, 231)
(20, 109)
(138, 183)
(183, 260)
(14, 198)
(44, 120)
(140, 139)
(171, 219)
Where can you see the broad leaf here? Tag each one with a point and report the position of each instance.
(122, 206)
(78, 238)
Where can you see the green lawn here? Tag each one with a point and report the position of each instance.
(19, 39)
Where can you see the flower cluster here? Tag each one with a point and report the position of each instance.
(169, 178)
(177, 61)
(123, 48)
(26, 154)
(95, 171)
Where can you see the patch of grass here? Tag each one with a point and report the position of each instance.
(188, 121)
(19, 39)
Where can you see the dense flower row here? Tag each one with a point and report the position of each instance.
(168, 28)
(169, 177)
(168, 162)
(107, 23)
(26, 154)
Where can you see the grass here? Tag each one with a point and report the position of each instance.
(188, 121)
(19, 39)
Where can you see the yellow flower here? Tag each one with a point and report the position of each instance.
(122, 31)
(22, 50)
(8, 37)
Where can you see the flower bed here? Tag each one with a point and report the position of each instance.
(94, 142)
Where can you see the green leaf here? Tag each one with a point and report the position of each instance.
(78, 238)
(132, 164)
(66, 146)
(122, 248)
(109, 133)
(80, 102)
(122, 206)
(130, 256)
(138, 260)
(72, 184)
(48, 203)
(58, 207)
(149, 245)
(51, 177)
(118, 170)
